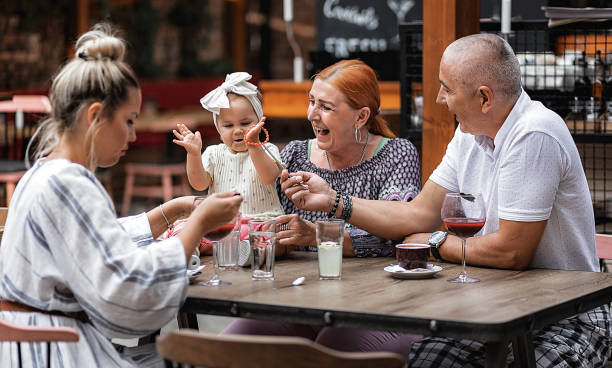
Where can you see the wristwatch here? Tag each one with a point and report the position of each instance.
(435, 242)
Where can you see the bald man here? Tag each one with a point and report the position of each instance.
(521, 157)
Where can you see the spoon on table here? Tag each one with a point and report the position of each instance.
(297, 282)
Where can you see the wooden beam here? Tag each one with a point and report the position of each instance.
(287, 99)
(239, 34)
(82, 16)
(443, 22)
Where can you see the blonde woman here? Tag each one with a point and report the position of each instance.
(66, 259)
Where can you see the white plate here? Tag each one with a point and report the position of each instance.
(417, 273)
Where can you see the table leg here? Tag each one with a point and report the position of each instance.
(495, 352)
(187, 320)
(522, 349)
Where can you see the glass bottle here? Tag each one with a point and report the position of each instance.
(592, 120)
(606, 122)
(606, 93)
(575, 118)
(582, 84)
(598, 75)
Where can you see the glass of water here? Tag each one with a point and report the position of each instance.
(262, 238)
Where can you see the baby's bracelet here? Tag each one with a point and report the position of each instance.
(257, 143)
(170, 226)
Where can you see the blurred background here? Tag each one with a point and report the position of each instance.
(182, 49)
(183, 39)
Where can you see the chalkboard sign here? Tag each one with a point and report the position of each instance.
(349, 26)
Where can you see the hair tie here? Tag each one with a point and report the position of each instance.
(82, 55)
(256, 143)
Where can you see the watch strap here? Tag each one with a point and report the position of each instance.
(435, 252)
(435, 241)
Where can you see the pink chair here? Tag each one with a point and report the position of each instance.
(604, 249)
(18, 120)
(166, 190)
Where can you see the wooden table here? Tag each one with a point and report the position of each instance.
(505, 306)
(164, 122)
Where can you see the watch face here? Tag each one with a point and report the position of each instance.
(437, 238)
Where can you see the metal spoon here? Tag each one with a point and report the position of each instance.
(297, 282)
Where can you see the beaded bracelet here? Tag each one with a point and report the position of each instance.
(347, 207)
(335, 207)
(170, 226)
(257, 143)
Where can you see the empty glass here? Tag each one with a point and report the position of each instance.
(262, 238)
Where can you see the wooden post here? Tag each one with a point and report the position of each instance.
(443, 22)
(239, 34)
(82, 16)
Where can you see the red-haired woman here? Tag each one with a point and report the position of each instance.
(357, 154)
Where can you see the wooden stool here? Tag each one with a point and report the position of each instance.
(11, 179)
(166, 190)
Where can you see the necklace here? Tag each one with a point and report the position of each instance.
(362, 152)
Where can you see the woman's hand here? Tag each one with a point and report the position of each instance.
(192, 143)
(296, 231)
(216, 210)
(307, 191)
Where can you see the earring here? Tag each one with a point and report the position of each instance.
(358, 134)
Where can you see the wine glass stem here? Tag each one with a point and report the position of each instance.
(463, 273)
(215, 259)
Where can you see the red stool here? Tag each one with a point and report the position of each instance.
(19, 117)
(165, 190)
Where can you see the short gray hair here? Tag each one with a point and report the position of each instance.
(486, 59)
(97, 73)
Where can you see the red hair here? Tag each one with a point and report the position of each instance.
(358, 82)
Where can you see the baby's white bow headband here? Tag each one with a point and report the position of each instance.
(216, 99)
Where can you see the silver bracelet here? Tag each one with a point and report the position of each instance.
(170, 226)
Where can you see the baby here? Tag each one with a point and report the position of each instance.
(241, 162)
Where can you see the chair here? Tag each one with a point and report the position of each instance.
(19, 334)
(165, 190)
(604, 249)
(18, 118)
(228, 351)
(3, 214)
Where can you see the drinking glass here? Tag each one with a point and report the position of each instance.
(463, 215)
(262, 238)
(329, 235)
(215, 236)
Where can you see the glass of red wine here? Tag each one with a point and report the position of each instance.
(463, 215)
(214, 236)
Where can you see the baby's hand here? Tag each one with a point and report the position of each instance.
(192, 143)
(252, 134)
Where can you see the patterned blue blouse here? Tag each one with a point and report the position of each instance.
(392, 174)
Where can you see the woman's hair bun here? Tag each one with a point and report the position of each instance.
(100, 43)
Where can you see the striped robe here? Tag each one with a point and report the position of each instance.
(64, 249)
